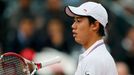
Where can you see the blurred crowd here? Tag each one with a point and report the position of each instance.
(30, 27)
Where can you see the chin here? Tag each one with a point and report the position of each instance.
(78, 41)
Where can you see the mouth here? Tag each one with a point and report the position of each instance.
(74, 33)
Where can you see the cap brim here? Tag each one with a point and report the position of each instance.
(74, 11)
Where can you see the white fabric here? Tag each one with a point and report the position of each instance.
(96, 62)
(93, 9)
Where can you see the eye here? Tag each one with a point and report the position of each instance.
(77, 20)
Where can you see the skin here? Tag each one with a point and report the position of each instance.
(122, 68)
(84, 32)
(56, 31)
(27, 27)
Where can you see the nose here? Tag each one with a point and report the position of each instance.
(74, 25)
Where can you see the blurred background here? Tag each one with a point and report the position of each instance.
(40, 30)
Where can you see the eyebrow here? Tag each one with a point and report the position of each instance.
(78, 17)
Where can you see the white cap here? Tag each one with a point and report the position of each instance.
(95, 10)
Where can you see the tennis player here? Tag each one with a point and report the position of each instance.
(90, 19)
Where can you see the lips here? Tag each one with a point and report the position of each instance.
(74, 33)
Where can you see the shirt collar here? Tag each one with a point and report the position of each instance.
(91, 48)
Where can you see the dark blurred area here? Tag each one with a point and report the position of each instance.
(29, 26)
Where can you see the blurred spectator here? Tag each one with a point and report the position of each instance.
(122, 68)
(128, 46)
(22, 37)
(56, 35)
(126, 9)
(54, 8)
(118, 28)
(23, 9)
(122, 49)
(128, 42)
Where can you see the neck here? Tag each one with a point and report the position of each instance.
(91, 42)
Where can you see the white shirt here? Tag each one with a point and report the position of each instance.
(96, 60)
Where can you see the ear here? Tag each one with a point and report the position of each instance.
(95, 26)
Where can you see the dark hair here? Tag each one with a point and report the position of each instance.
(101, 29)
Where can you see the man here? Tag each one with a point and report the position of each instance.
(90, 19)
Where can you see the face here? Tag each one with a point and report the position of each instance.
(81, 30)
(54, 4)
(130, 41)
(25, 3)
(56, 32)
(122, 68)
(27, 27)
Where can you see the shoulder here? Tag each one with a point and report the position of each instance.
(98, 57)
(98, 66)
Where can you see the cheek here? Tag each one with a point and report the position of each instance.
(82, 38)
(83, 31)
(83, 34)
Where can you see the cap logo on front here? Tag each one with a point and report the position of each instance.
(85, 10)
